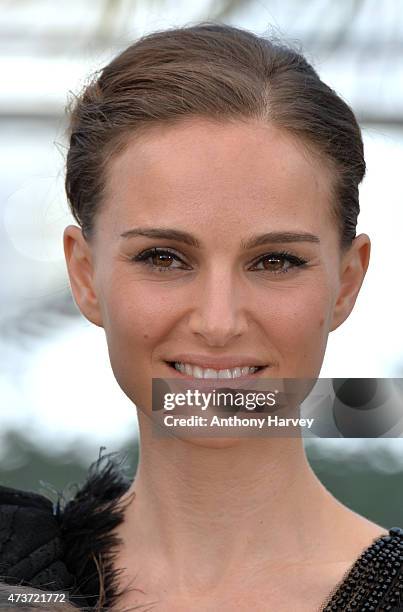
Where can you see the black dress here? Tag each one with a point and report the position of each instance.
(62, 546)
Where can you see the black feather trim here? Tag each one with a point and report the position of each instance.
(86, 523)
(68, 546)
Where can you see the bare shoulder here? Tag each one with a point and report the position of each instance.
(360, 531)
(351, 532)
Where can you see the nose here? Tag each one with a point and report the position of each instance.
(219, 313)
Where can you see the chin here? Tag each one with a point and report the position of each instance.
(215, 443)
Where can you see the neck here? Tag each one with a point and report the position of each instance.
(200, 514)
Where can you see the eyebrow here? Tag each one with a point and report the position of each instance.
(254, 241)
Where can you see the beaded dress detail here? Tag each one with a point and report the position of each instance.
(375, 582)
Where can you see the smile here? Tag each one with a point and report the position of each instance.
(196, 371)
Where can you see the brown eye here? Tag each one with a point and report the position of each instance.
(279, 263)
(273, 263)
(163, 260)
(160, 260)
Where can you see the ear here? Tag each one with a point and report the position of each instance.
(81, 273)
(353, 267)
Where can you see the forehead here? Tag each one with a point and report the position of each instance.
(239, 174)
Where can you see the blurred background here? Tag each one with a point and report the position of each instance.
(59, 401)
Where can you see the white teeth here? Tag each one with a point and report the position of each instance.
(225, 374)
(198, 372)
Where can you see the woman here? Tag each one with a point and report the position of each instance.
(214, 178)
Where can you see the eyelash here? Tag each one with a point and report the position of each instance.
(296, 262)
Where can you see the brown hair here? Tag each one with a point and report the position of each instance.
(217, 72)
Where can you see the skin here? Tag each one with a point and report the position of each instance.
(274, 540)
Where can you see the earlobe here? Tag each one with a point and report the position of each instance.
(353, 267)
(81, 273)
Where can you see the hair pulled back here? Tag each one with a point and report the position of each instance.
(218, 72)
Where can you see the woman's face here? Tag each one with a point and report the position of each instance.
(241, 261)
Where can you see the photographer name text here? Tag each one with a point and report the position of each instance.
(235, 421)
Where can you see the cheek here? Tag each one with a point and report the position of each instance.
(136, 320)
(298, 326)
